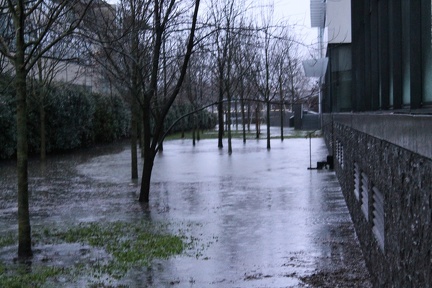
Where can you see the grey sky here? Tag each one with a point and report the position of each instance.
(296, 12)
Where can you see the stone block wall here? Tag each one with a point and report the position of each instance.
(388, 190)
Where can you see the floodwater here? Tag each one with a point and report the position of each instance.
(263, 218)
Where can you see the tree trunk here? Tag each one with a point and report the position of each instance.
(282, 121)
(142, 139)
(236, 121)
(220, 119)
(146, 177)
(268, 124)
(249, 116)
(149, 156)
(141, 134)
(198, 130)
(193, 136)
(242, 110)
(160, 143)
(281, 108)
(257, 123)
(229, 125)
(24, 228)
(197, 127)
(134, 139)
(42, 127)
(243, 116)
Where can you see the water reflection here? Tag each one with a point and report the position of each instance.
(264, 219)
(270, 215)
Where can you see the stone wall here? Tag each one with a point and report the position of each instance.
(388, 190)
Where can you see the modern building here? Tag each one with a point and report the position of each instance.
(377, 122)
(77, 68)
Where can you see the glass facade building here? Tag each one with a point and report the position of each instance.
(377, 122)
(392, 55)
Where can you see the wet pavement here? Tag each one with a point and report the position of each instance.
(262, 218)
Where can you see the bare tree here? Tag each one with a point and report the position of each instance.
(263, 69)
(277, 67)
(145, 47)
(121, 40)
(244, 58)
(197, 86)
(156, 107)
(296, 82)
(226, 17)
(220, 53)
(46, 70)
(284, 54)
(25, 49)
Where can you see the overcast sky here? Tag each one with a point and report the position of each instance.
(296, 12)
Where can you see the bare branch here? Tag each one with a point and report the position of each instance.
(32, 59)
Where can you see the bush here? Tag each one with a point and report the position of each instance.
(110, 122)
(69, 118)
(7, 119)
(202, 119)
(75, 118)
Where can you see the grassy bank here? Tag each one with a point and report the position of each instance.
(238, 134)
(92, 254)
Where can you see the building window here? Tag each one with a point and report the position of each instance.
(427, 51)
(340, 153)
(406, 54)
(357, 183)
(378, 217)
(364, 195)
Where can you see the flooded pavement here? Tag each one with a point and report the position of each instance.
(262, 218)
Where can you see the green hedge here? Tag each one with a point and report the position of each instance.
(7, 118)
(203, 119)
(74, 118)
(77, 118)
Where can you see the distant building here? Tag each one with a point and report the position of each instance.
(377, 121)
(69, 62)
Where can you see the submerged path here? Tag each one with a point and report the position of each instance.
(277, 224)
(262, 218)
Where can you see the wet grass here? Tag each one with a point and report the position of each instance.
(22, 277)
(7, 240)
(126, 246)
(238, 134)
